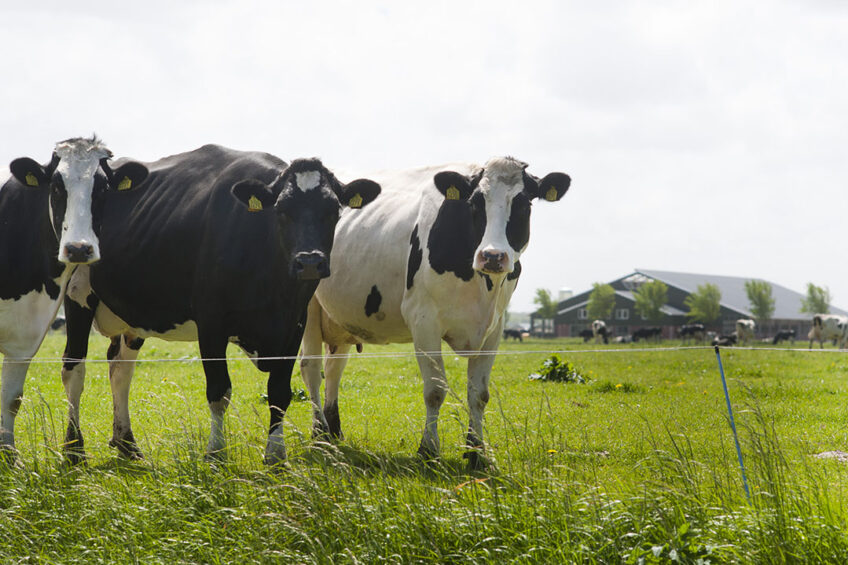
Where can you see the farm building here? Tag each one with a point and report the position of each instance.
(572, 315)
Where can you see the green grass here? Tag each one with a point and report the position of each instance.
(637, 465)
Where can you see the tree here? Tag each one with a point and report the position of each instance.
(601, 301)
(650, 298)
(817, 300)
(704, 304)
(759, 295)
(547, 306)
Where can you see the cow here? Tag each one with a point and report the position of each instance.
(586, 334)
(725, 339)
(48, 217)
(745, 330)
(514, 334)
(647, 333)
(692, 331)
(600, 331)
(216, 246)
(828, 327)
(784, 335)
(436, 258)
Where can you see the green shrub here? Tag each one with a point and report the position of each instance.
(556, 370)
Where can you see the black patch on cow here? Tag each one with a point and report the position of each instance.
(114, 348)
(455, 235)
(372, 303)
(516, 272)
(415, 256)
(518, 225)
(488, 279)
(135, 343)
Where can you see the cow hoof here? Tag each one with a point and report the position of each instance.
(9, 456)
(428, 452)
(127, 447)
(476, 460)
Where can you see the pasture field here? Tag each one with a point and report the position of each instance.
(637, 465)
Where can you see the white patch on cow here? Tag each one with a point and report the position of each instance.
(307, 180)
(80, 159)
(502, 181)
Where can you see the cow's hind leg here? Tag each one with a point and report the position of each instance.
(13, 376)
(310, 368)
(122, 355)
(333, 368)
(213, 350)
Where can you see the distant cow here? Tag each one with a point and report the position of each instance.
(828, 327)
(514, 334)
(784, 335)
(47, 227)
(724, 340)
(692, 331)
(586, 335)
(647, 333)
(216, 246)
(599, 331)
(745, 330)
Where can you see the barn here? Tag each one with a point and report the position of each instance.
(572, 315)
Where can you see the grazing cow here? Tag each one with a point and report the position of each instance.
(745, 330)
(586, 335)
(47, 227)
(692, 331)
(514, 334)
(827, 327)
(600, 331)
(784, 335)
(725, 339)
(436, 258)
(647, 333)
(216, 246)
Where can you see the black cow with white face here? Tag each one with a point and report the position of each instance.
(48, 225)
(216, 246)
(435, 258)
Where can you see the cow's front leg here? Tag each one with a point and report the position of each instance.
(279, 399)
(122, 355)
(78, 326)
(213, 350)
(479, 372)
(428, 345)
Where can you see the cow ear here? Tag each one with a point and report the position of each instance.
(126, 177)
(453, 185)
(254, 194)
(29, 173)
(551, 188)
(359, 193)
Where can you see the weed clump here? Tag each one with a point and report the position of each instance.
(556, 370)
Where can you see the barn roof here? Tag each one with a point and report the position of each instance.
(787, 303)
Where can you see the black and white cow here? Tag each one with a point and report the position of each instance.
(692, 331)
(216, 246)
(586, 334)
(827, 327)
(745, 330)
(600, 331)
(784, 335)
(435, 258)
(48, 216)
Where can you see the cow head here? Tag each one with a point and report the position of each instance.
(307, 200)
(498, 198)
(73, 183)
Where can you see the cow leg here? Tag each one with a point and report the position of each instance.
(479, 371)
(12, 393)
(428, 344)
(122, 355)
(213, 350)
(279, 399)
(333, 368)
(77, 326)
(310, 367)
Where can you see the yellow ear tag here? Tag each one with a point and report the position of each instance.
(356, 201)
(551, 196)
(125, 184)
(254, 205)
(452, 193)
(31, 180)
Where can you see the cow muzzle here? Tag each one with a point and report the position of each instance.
(492, 262)
(311, 265)
(79, 253)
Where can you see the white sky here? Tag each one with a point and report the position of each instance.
(703, 137)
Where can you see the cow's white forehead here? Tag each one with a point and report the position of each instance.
(503, 174)
(82, 148)
(307, 180)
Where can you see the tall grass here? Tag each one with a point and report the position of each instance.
(581, 473)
